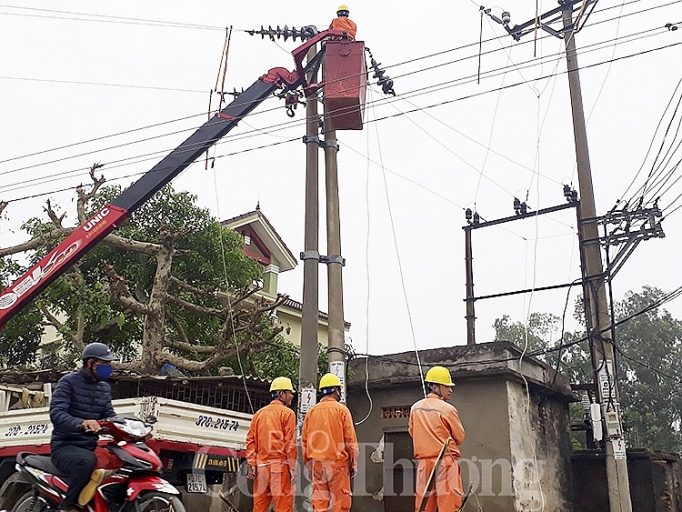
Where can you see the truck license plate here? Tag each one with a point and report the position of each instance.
(196, 483)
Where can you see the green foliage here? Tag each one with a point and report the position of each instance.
(20, 339)
(650, 369)
(207, 256)
(282, 359)
(649, 360)
(536, 335)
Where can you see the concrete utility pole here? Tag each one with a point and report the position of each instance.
(594, 292)
(469, 264)
(309, 323)
(336, 325)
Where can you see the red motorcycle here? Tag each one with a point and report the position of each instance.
(126, 478)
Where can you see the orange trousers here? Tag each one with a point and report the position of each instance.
(331, 487)
(446, 495)
(273, 483)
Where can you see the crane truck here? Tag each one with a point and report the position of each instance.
(200, 437)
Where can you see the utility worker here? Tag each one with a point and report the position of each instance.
(330, 449)
(342, 22)
(271, 450)
(432, 421)
(81, 398)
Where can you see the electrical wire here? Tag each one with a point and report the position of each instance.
(399, 64)
(367, 276)
(281, 124)
(230, 310)
(400, 266)
(105, 18)
(102, 84)
(461, 98)
(434, 105)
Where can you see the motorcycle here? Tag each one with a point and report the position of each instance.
(126, 478)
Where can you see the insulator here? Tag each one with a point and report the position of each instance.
(387, 87)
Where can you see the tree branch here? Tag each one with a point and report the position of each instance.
(56, 220)
(51, 319)
(188, 347)
(37, 242)
(196, 308)
(128, 244)
(179, 328)
(205, 292)
(118, 290)
(84, 197)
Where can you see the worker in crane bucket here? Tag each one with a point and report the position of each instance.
(342, 22)
(437, 431)
(271, 450)
(81, 398)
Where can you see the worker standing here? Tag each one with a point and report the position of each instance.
(330, 449)
(342, 22)
(432, 422)
(271, 450)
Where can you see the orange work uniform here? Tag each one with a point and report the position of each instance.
(271, 449)
(330, 451)
(432, 421)
(343, 23)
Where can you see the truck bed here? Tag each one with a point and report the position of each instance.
(177, 421)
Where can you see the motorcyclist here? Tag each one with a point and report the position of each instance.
(80, 399)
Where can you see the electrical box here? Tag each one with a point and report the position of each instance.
(612, 423)
(345, 82)
(595, 415)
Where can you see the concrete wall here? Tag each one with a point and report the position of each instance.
(516, 452)
(655, 481)
(539, 450)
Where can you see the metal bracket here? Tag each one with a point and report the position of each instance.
(310, 255)
(330, 144)
(333, 258)
(324, 144)
(314, 255)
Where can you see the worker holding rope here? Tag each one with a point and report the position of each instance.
(437, 432)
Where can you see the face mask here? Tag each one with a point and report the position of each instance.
(103, 371)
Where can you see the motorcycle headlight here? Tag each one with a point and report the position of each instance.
(135, 428)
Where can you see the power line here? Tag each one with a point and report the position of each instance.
(434, 105)
(101, 84)
(424, 90)
(105, 18)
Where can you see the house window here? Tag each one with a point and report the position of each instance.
(399, 411)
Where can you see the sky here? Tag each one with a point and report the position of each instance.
(122, 83)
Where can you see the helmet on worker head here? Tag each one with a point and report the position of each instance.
(97, 351)
(342, 10)
(281, 384)
(329, 383)
(439, 375)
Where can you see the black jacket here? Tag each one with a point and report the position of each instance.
(78, 397)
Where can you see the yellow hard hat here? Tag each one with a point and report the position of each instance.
(342, 7)
(439, 375)
(282, 384)
(329, 380)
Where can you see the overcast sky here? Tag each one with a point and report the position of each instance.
(75, 71)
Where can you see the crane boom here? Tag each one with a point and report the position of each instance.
(112, 215)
